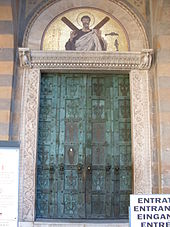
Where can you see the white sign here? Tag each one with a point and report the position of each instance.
(150, 210)
(9, 187)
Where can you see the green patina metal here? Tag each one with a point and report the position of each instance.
(84, 167)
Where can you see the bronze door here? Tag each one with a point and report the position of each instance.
(84, 147)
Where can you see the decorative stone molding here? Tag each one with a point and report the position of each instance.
(29, 129)
(24, 57)
(71, 60)
(140, 124)
(146, 59)
(84, 61)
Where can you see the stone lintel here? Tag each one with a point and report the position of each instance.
(86, 61)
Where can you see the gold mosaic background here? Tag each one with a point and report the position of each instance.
(58, 33)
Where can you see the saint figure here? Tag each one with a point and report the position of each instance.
(86, 39)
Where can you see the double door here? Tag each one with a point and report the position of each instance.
(84, 147)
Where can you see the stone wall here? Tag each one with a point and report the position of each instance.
(6, 66)
(161, 44)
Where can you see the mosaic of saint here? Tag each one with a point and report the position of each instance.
(85, 29)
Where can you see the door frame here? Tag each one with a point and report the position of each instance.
(32, 63)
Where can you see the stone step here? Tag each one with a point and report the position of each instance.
(52, 224)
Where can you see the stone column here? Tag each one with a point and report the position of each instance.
(29, 127)
(140, 118)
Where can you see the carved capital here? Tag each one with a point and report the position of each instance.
(146, 59)
(24, 57)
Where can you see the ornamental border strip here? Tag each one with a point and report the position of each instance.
(85, 60)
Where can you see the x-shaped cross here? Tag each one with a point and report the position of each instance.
(74, 28)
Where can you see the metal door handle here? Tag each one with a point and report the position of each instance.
(89, 168)
(79, 168)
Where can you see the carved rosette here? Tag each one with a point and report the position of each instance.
(140, 131)
(29, 142)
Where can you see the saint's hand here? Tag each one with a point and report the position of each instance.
(98, 33)
(73, 34)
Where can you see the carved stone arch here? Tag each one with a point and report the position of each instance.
(33, 61)
(127, 17)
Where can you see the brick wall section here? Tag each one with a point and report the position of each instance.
(162, 44)
(6, 66)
